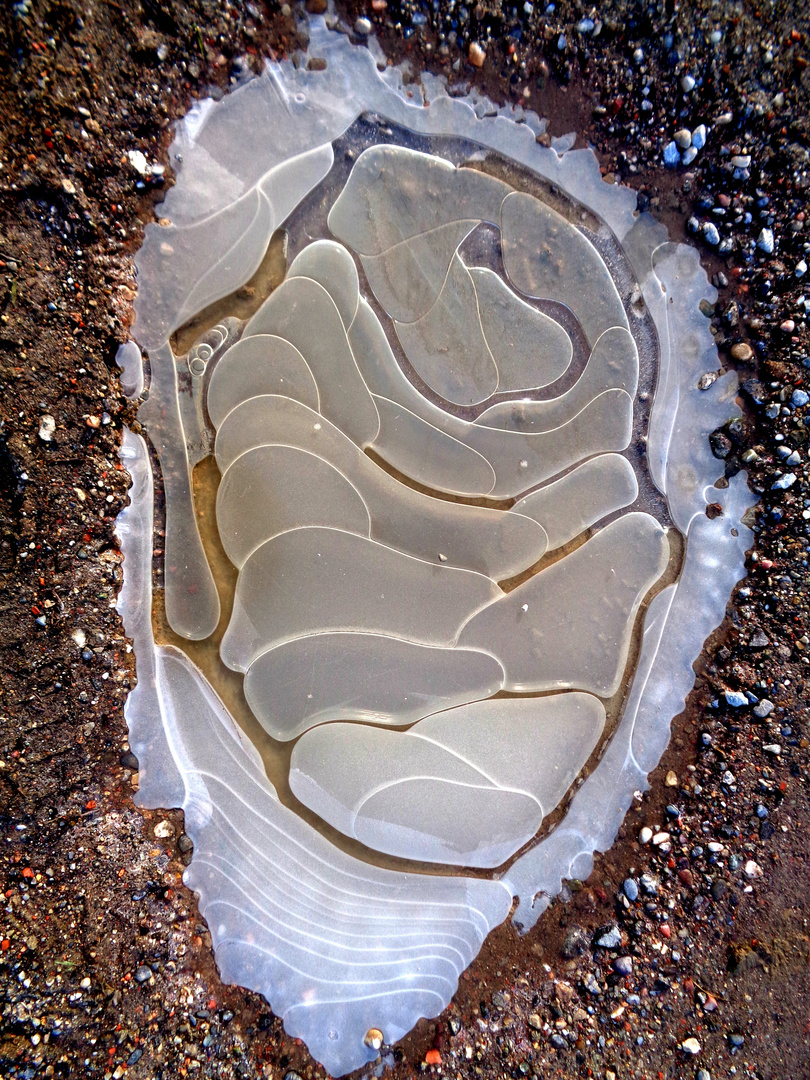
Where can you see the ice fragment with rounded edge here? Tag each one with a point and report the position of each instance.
(263, 364)
(191, 598)
(467, 786)
(370, 677)
(545, 256)
(394, 193)
(277, 488)
(530, 349)
(570, 505)
(319, 579)
(128, 357)
(447, 347)
(612, 365)
(493, 542)
(302, 312)
(430, 456)
(574, 630)
(407, 278)
(333, 267)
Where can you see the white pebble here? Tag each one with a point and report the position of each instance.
(683, 138)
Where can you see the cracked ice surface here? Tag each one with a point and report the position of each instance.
(449, 558)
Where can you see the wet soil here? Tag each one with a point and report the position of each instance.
(106, 969)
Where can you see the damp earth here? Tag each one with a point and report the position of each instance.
(68, 784)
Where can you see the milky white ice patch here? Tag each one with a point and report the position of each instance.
(437, 561)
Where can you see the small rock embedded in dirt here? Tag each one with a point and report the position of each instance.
(574, 944)
(47, 426)
(623, 965)
(477, 55)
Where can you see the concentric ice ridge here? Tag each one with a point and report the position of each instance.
(435, 556)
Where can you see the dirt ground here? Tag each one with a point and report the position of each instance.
(106, 969)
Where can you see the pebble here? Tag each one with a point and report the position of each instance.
(699, 137)
(645, 835)
(630, 889)
(591, 985)
(143, 974)
(736, 1040)
(690, 1046)
(476, 54)
(784, 482)
(373, 1039)
(706, 380)
(363, 26)
(689, 155)
(764, 708)
(671, 779)
(735, 699)
(687, 84)
(47, 426)
(671, 155)
(765, 241)
(703, 1074)
(683, 138)
(752, 869)
(574, 944)
(800, 269)
(138, 162)
(623, 965)
(709, 230)
(742, 351)
(609, 938)
(800, 398)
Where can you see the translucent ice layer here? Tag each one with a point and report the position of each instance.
(420, 502)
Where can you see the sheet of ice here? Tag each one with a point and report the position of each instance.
(493, 542)
(263, 364)
(578, 500)
(447, 346)
(612, 365)
(318, 579)
(339, 946)
(569, 626)
(530, 349)
(467, 787)
(335, 945)
(433, 446)
(545, 257)
(274, 489)
(303, 313)
(395, 193)
(385, 680)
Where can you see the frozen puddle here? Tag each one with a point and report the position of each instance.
(436, 561)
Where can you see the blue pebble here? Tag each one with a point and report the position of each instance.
(735, 699)
(800, 398)
(672, 155)
(630, 889)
